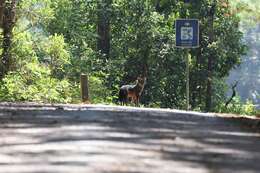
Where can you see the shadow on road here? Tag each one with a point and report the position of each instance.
(125, 142)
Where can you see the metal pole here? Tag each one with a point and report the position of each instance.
(187, 81)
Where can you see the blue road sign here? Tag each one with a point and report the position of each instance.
(187, 33)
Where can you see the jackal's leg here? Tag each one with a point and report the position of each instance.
(122, 97)
(137, 101)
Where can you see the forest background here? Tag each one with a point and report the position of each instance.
(47, 44)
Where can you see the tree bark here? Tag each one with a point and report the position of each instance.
(103, 27)
(9, 11)
(208, 104)
(2, 5)
(157, 6)
(233, 94)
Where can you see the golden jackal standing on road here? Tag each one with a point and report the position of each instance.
(132, 92)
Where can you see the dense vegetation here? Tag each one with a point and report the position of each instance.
(248, 73)
(51, 42)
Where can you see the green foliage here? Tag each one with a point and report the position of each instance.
(34, 13)
(237, 107)
(248, 11)
(56, 54)
(34, 83)
(23, 49)
(98, 91)
(55, 41)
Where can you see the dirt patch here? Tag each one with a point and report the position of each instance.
(249, 121)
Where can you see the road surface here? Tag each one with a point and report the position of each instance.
(109, 139)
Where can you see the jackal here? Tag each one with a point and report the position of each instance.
(132, 92)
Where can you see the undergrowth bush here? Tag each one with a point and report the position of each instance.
(238, 107)
(34, 84)
(99, 93)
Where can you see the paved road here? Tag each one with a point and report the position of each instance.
(106, 139)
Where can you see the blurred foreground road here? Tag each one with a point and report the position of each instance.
(108, 139)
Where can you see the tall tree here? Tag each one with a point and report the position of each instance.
(2, 6)
(8, 10)
(103, 26)
(210, 58)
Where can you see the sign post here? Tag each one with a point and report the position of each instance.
(187, 81)
(187, 36)
(187, 33)
(84, 88)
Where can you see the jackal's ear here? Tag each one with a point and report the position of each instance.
(144, 79)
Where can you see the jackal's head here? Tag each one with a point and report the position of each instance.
(141, 80)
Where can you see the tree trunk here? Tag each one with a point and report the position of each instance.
(2, 5)
(210, 60)
(233, 94)
(157, 6)
(103, 27)
(8, 22)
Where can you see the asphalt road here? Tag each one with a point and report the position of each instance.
(107, 139)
